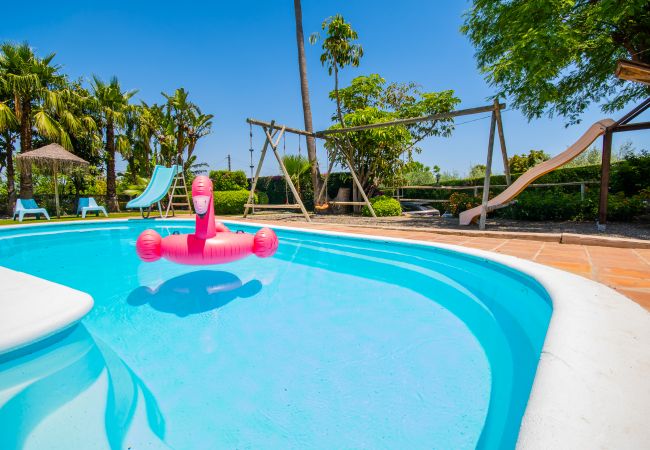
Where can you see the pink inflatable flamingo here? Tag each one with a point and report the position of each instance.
(211, 243)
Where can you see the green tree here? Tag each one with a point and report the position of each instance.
(339, 51)
(593, 156)
(179, 109)
(149, 134)
(477, 171)
(559, 56)
(297, 166)
(9, 127)
(40, 98)
(200, 125)
(414, 173)
(377, 153)
(112, 105)
(449, 175)
(306, 103)
(523, 162)
(177, 126)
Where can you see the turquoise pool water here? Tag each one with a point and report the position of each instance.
(333, 343)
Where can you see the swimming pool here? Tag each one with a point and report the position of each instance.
(335, 342)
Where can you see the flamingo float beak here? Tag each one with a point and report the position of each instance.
(201, 204)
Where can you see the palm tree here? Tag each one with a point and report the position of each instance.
(200, 125)
(180, 110)
(340, 51)
(39, 94)
(8, 130)
(297, 166)
(145, 132)
(306, 104)
(111, 105)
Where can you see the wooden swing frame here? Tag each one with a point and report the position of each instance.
(274, 133)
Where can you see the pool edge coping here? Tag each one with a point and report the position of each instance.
(584, 395)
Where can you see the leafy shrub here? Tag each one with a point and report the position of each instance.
(263, 198)
(523, 162)
(550, 205)
(224, 180)
(630, 175)
(557, 205)
(460, 201)
(620, 207)
(384, 206)
(231, 202)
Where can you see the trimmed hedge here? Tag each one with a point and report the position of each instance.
(557, 205)
(384, 206)
(225, 180)
(231, 202)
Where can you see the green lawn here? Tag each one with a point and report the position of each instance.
(32, 219)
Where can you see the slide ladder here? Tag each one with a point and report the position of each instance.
(178, 195)
(582, 144)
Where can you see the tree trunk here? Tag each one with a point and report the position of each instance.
(180, 143)
(133, 170)
(26, 187)
(111, 194)
(306, 106)
(11, 184)
(356, 195)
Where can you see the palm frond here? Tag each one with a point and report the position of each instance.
(123, 145)
(47, 126)
(8, 119)
(64, 140)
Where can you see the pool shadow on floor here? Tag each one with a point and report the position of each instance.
(194, 293)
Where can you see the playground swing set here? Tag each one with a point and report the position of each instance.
(170, 181)
(274, 132)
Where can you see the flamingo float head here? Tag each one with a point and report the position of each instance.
(202, 198)
(202, 194)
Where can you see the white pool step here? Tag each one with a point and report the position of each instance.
(32, 309)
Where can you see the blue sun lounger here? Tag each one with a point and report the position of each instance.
(156, 190)
(88, 204)
(28, 206)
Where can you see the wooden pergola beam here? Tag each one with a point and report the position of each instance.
(273, 126)
(632, 127)
(633, 71)
(324, 133)
(412, 120)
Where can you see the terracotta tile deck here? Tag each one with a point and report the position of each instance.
(626, 270)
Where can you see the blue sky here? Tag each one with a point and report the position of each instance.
(239, 59)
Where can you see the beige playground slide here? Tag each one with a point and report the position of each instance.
(582, 144)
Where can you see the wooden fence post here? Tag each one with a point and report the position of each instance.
(502, 142)
(604, 180)
(488, 173)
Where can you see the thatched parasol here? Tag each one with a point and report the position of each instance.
(53, 158)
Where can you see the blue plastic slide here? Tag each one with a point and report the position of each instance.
(157, 189)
